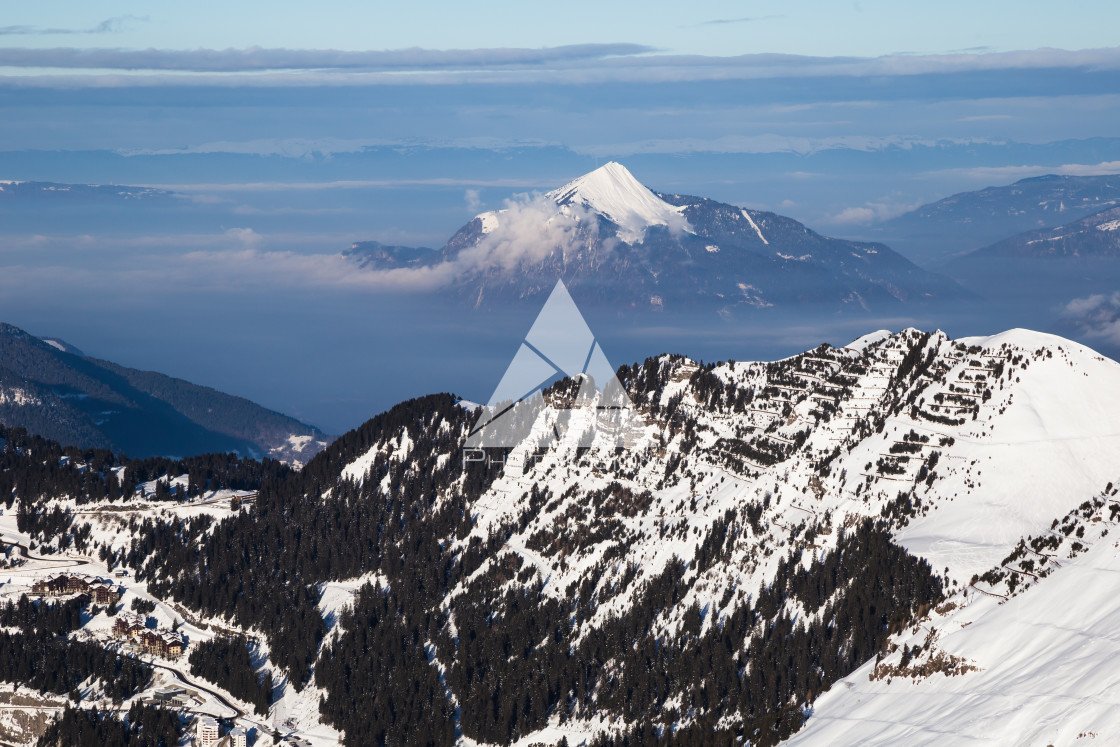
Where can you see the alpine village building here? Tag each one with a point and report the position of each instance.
(98, 590)
(166, 643)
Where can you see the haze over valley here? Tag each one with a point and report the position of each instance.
(526, 376)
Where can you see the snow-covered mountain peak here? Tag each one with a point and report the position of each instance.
(865, 341)
(1029, 338)
(613, 192)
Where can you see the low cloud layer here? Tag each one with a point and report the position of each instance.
(108, 26)
(255, 59)
(1096, 316)
(872, 212)
(1002, 174)
(576, 63)
(527, 230)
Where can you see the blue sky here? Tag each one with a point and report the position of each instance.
(808, 27)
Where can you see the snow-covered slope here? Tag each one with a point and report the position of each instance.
(613, 192)
(1024, 445)
(964, 448)
(610, 192)
(994, 459)
(1028, 433)
(1056, 440)
(1028, 659)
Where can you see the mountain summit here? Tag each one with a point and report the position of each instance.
(612, 192)
(613, 240)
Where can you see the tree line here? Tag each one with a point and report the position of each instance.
(227, 662)
(144, 726)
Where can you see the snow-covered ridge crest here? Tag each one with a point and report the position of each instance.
(613, 192)
(740, 474)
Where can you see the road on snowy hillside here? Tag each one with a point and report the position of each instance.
(179, 674)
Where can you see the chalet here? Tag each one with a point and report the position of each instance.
(129, 626)
(104, 593)
(51, 586)
(173, 645)
(168, 643)
(101, 591)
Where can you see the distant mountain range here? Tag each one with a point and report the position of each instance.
(934, 233)
(1047, 266)
(54, 390)
(12, 192)
(613, 240)
(1097, 235)
(1054, 276)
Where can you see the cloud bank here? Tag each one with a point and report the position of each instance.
(255, 59)
(108, 26)
(997, 174)
(1096, 316)
(527, 230)
(576, 63)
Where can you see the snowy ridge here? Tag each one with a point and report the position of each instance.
(988, 440)
(862, 343)
(1024, 655)
(982, 455)
(613, 192)
(489, 221)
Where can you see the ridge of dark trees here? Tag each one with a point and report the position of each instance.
(227, 662)
(511, 655)
(54, 663)
(144, 726)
